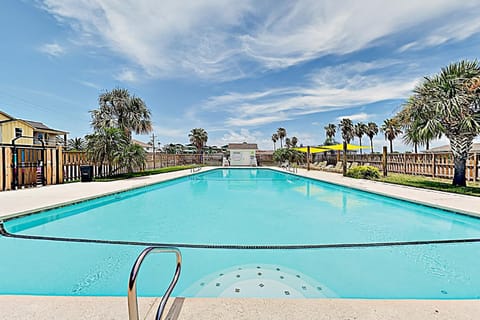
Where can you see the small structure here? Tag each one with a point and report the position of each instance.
(28, 133)
(243, 154)
(146, 146)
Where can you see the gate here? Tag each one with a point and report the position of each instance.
(28, 167)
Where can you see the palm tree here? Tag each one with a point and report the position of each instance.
(282, 133)
(411, 136)
(294, 142)
(391, 129)
(347, 128)
(132, 157)
(372, 130)
(416, 120)
(274, 139)
(330, 130)
(120, 110)
(76, 144)
(360, 129)
(104, 145)
(452, 100)
(288, 142)
(198, 137)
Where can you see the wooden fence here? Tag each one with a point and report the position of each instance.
(438, 165)
(23, 167)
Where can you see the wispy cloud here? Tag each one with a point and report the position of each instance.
(127, 76)
(89, 84)
(221, 40)
(449, 30)
(330, 88)
(362, 116)
(52, 49)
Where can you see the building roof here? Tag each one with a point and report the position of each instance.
(6, 115)
(40, 126)
(446, 148)
(242, 146)
(141, 143)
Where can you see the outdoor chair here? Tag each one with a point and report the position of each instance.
(338, 167)
(320, 165)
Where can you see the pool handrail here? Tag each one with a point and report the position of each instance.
(132, 282)
(195, 169)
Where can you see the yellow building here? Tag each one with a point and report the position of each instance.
(27, 133)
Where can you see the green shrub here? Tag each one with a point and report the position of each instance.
(364, 172)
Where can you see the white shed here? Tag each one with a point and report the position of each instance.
(243, 154)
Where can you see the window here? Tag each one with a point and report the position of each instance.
(40, 136)
(18, 132)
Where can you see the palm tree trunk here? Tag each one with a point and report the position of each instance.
(427, 145)
(416, 148)
(459, 173)
(371, 145)
(391, 146)
(460, 146)
(360, 139)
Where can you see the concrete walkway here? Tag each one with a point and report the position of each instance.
(115, 308)
(35, 307)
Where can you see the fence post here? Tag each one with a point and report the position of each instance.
(7, 184)
(59, 165)
(2, 168)
(433, 165)
(384, 161)
(475, 166)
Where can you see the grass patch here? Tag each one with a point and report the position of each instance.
(144, 173)
(472, 189)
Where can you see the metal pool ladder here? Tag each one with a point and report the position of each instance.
(132, 282)
(196, 169)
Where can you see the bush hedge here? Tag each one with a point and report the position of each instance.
(364, 172)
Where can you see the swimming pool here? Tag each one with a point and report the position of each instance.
(248, 232)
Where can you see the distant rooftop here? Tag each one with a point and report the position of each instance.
(446, 148)
(141, 143)
(244, 145)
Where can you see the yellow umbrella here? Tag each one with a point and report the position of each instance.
(340, 147)
(312, 149)
(309, 150)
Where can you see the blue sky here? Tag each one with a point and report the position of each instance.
(239, 69)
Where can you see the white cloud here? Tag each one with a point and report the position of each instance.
(243, 135)
(331, 88)
(89, 84)
(127, 76)
(214, 38)
(52, 49)
(450, 30)
(362, 116)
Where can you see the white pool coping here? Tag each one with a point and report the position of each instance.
(19, 202)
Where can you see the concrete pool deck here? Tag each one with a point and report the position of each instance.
(35, 307)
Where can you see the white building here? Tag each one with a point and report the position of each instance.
(243, 154)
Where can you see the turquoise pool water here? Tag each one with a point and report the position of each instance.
(246, 207)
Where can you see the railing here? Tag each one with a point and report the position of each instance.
(195, 169)
(132, 282)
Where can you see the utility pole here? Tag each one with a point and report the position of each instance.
(153, 147)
